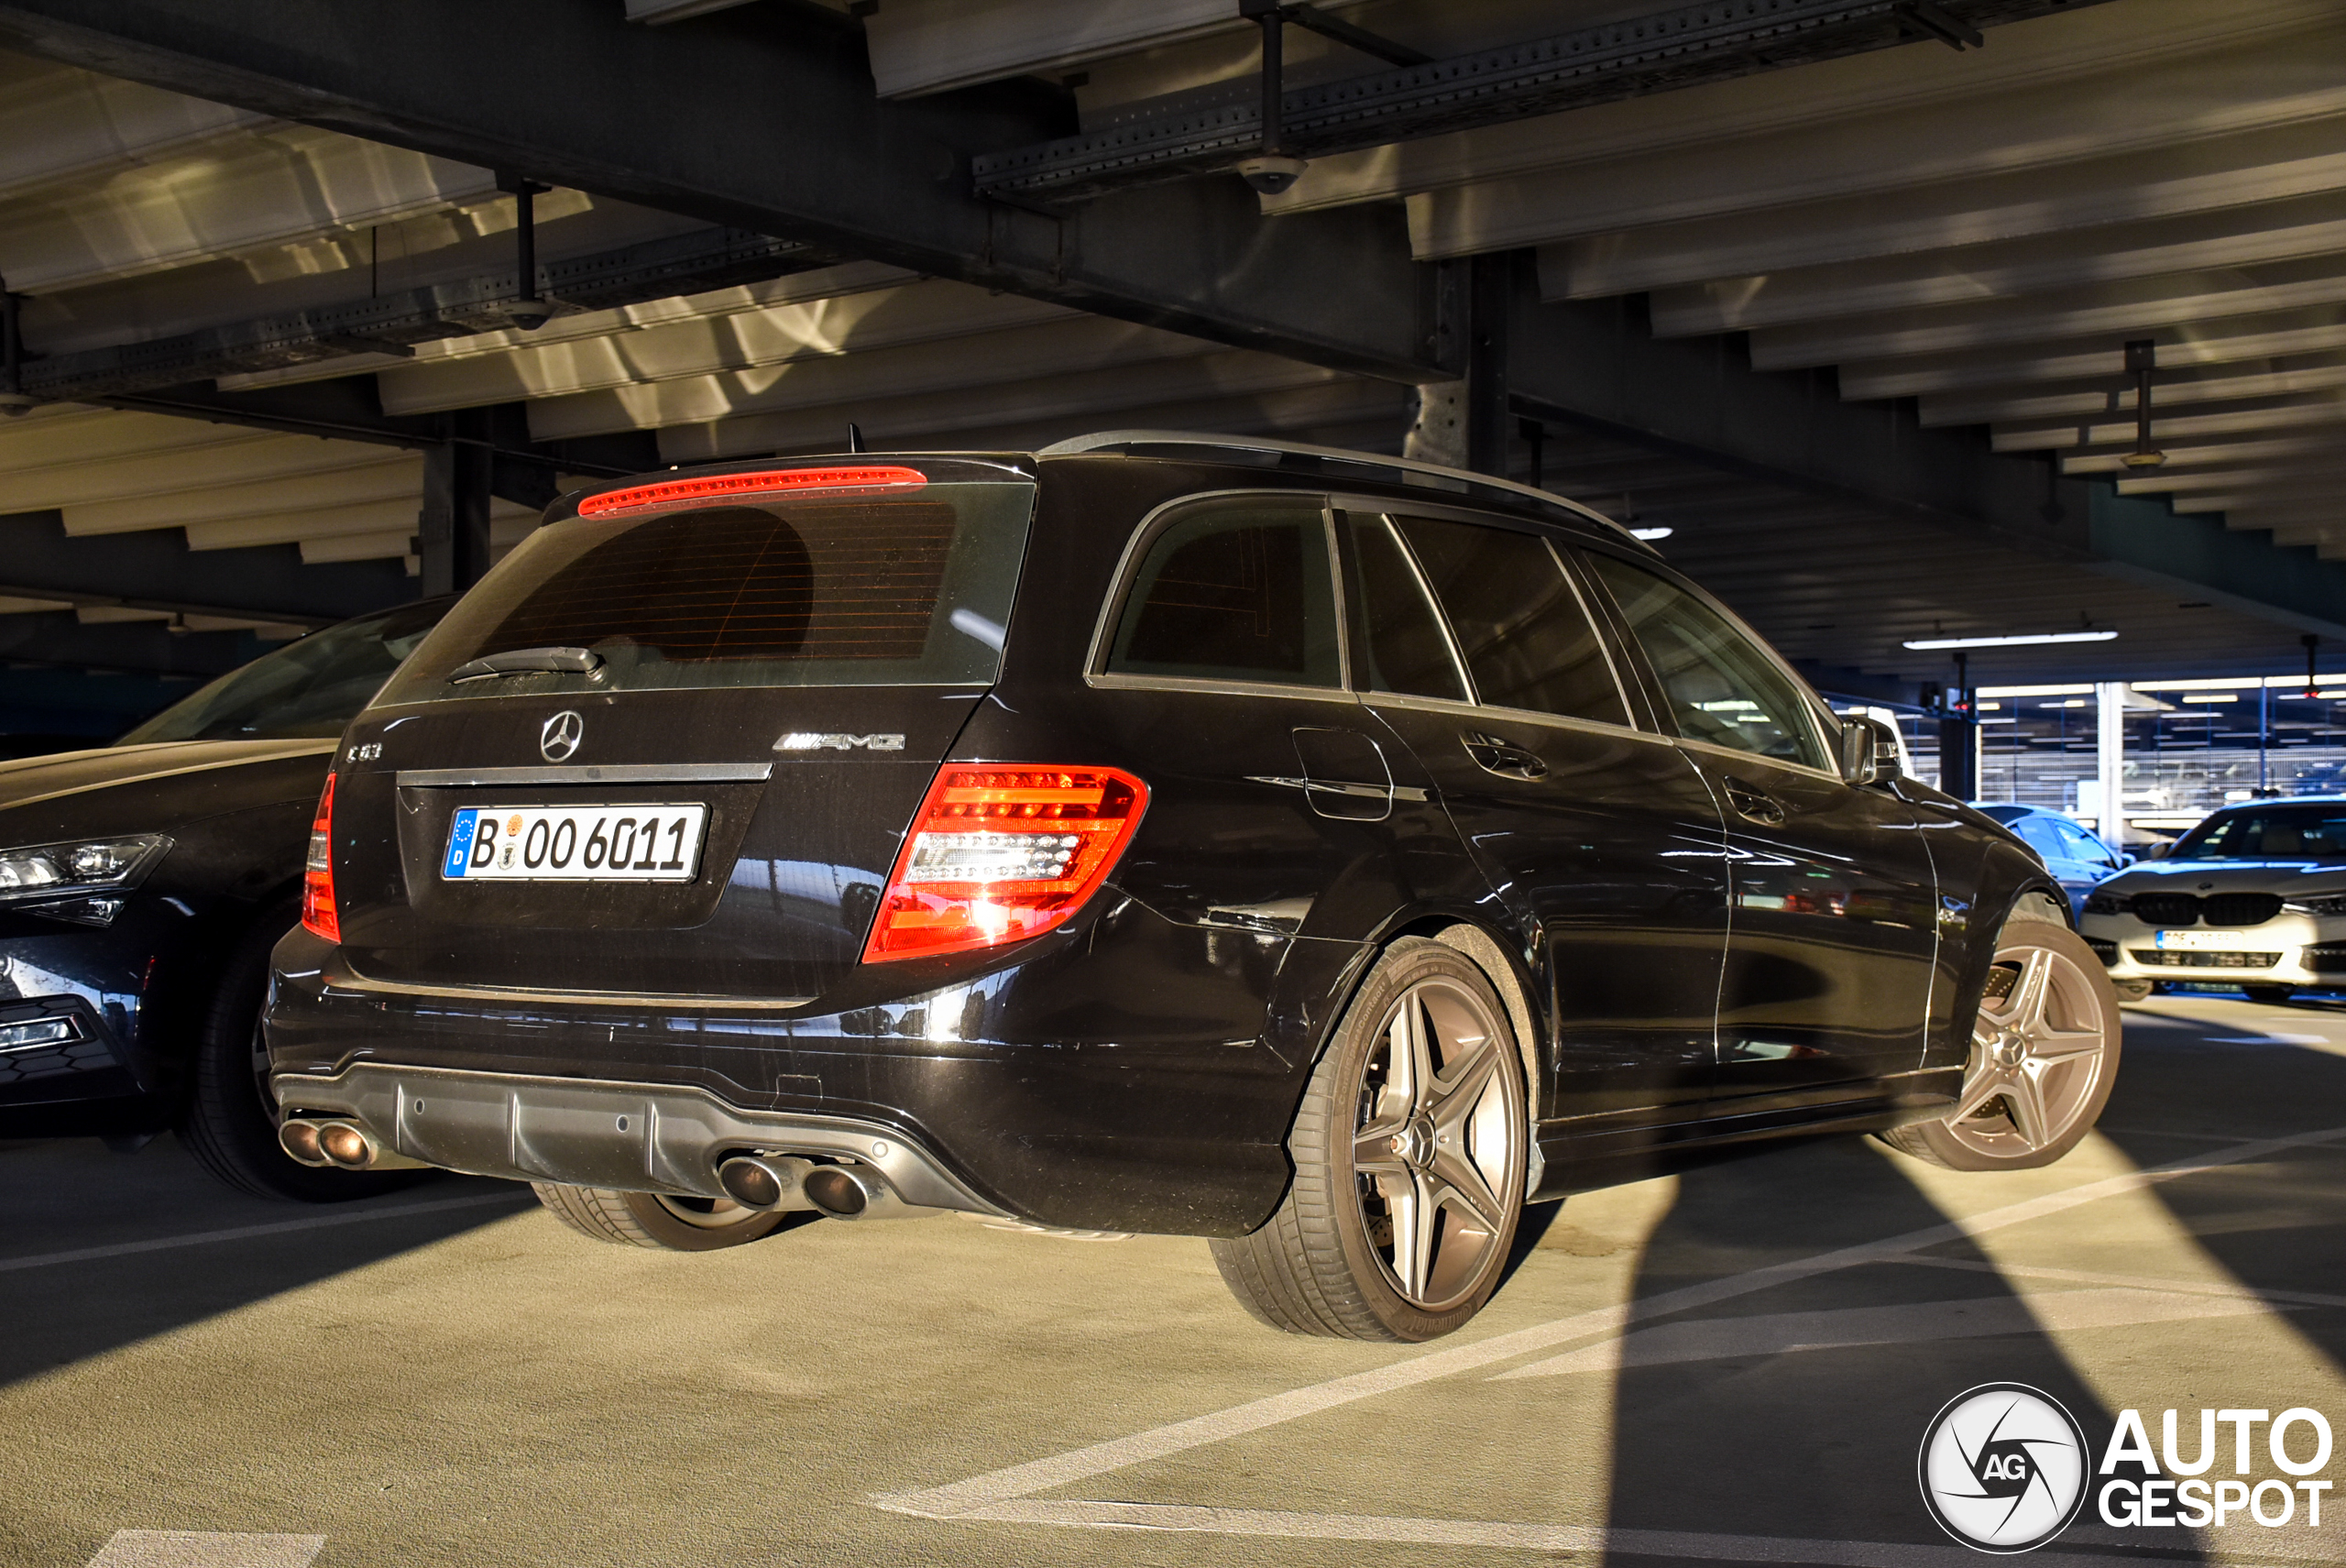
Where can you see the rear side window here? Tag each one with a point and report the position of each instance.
(1721, 686)
(1526, 641)
(1397, 645)
(1236, 593)
(811, 589)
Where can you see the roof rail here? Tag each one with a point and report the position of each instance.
(1103, 440)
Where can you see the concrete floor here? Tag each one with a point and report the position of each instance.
(447, 1376)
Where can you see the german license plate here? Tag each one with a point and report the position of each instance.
(574, 843)
(2197, 942)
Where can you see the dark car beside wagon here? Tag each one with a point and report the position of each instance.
(142, 885)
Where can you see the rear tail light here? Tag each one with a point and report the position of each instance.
(861, 476)
(1000, 854)
(318, 914)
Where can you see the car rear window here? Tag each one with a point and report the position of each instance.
(807, 589)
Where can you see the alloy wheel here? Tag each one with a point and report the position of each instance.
(1435, 1144)
(2039, 1053)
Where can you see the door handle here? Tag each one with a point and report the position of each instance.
(1754, 805)
(1494, 755)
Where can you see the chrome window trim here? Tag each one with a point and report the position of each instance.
(620, 773)
(1760, 757)
(1510, 715)
(1159, 518)
(1224, 688)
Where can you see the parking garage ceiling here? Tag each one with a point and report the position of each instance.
(1842, 304)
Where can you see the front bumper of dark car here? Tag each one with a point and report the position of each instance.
(76, 1052)
(1015, 1090)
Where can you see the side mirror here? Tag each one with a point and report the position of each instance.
(1868, 750)
(2159, 850)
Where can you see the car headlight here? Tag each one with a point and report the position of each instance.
(39, 873)
(2105, 903)
(2331, 904)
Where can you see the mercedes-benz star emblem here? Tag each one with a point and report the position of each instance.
(558, 737)
(2003, 1468)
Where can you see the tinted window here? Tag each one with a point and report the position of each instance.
(847, 590)
(2039, 834)
(307, 690)
(1721, 688)
(1398, 645)
(1235, 594)
(1527, 642)
(2270, 833)
(2079, 844)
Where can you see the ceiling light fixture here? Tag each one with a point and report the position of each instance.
(2029, 639)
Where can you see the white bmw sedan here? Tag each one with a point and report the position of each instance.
(2254, 896)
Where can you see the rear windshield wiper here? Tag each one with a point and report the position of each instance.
(530, 662)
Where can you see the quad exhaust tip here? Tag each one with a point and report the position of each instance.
(770, 1182)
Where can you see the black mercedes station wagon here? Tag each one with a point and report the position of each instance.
(1325, 854)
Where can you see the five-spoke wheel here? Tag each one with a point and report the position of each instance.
(2044, 1056)
(1409, 1162)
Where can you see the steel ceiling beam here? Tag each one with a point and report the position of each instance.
(764, 119)
(1687, 46)
(1594, 366)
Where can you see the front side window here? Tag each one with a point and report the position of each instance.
(1527, 642)
(1721, 687)
(1236, 592)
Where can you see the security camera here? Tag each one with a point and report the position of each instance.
(529, 314)
(1272, 172)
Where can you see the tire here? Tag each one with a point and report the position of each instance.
(230, 1122)
(653, 1219)
(2044, 1056)
(1413, 1124)
(2272, 995)
(2131, 990)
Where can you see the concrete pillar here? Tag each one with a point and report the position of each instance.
(1438, 425)
(2109, 759)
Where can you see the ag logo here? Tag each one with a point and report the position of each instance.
(558, 737)
(2003, 1468)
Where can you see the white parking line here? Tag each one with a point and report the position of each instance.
(205, 1548)
(964, 1498)
(1909, 1322)
(243, 1233)
(1683, 1545)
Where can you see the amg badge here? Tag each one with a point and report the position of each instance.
(801, 740)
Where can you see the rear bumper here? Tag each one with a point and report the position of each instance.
(1150, 1093)
(634, 1137)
